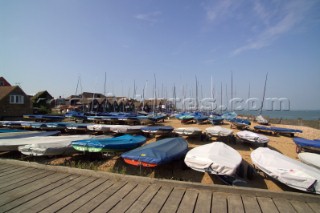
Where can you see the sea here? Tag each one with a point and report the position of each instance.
(286, 114)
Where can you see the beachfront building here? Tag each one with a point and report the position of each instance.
(41, 102)
(14, 102)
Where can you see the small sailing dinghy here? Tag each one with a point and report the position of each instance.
(251, 137)
(26, 134)
(188, 131)
(312, 159)
(306, 144)
(277, 130)
(157, 130)
(215, 158)
(218, 131)
(261, 120)
(291, 172)
(60, 146)
(116, 144)
(125, 129)
(240, 123)
(157, 153)
(99, 128)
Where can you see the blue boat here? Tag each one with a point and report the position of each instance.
(11, 130)
(216, 120)
(157, 153)
(229, 115)
(306, 144)
(200, 118)
(27, 134)
(277, 130)
(116, 144)
(240, 123)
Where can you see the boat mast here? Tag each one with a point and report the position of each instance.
(155, 93)
(231, 92)
(264, 93)
(212, 94)
(221, 98)
(197, 94)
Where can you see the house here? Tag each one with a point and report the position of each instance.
(41, 102)
(4, 82)
(14, 102)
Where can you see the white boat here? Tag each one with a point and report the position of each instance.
(218, 131)
(99, 127)
(126, 129)
(291, 172)
(312, 159)
(188, 131)
(215, 158)
(27, 134)
(251, 137)
(261, 120)
(13, 144)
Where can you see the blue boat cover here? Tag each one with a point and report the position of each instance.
(11, 130)
(159, 152)
(124, 142)
(155, 128)
(229, 115)
(240, 121)
(277, 129)
(307, 143)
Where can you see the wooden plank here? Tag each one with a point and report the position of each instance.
(30, 187)
(142, 202)
(203, 202)
(219, 202)
(35, 194)
(62, 194)
(17, 181)
(173, 201)
(52, 193)
(86, 198)
(88, 207)
(10, 171)
(250, 204)
(267, 205)
(283, 205)
(71, 197)
(124, 204)
(314, 206)
(235, 204)
(115, 198)
(188, 201)
(16, 193)
(6, 167)
(18, 173)
(301, 207)
(158, 200)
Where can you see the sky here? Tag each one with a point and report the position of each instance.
(50, 45)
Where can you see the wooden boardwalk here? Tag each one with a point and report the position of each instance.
(37, 188)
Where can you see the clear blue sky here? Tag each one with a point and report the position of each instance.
(47, 45)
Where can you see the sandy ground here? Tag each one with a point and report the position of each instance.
(177, 170)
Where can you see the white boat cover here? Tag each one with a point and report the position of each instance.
(312, 159)
(218, 131)
(125, 129)
(47, 149)
(13, 144)
(252, 137)
(214, 158)
(287, 170)
(187, 131)
(99, 127)
(261, 120)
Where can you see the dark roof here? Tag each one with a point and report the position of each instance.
(6, 90)
(39, 94)
(4, 82)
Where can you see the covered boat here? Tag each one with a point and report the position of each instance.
(240, 123)
(59, 145)
(157, 153)
(306, 144)
(218, 131)
(99, 128)
(291, 172)
(312, 159)
(125, 129)
(261, 120)
(157, 130)
(215, 158)
(216, 120)
(26, 134)
(277, 130)
(116, 144)
(188, 131)
(251, 137)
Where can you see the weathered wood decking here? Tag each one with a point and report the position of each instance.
(30, 187)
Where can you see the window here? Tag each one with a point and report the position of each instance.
(16, 99)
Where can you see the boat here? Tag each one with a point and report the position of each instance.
(76, 127)
(5, 130)
(288, 171)
(312, 159)
(185, 117)
(27, 134)
(99, 128)
(200, 118)
(157, 130)
(218, 131)
(13, 124)
(59, 145)
(261, 120)
(44, 117)
(56, 126)
(215, 120)
(116, 144)
(306, 144)
(240, 123)
(157, 153)
(277, 130)
(215, 158)
(125, 129)
(229, 115)
(188, 131)
(251, 137)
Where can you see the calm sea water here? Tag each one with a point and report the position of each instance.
(292, 114)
